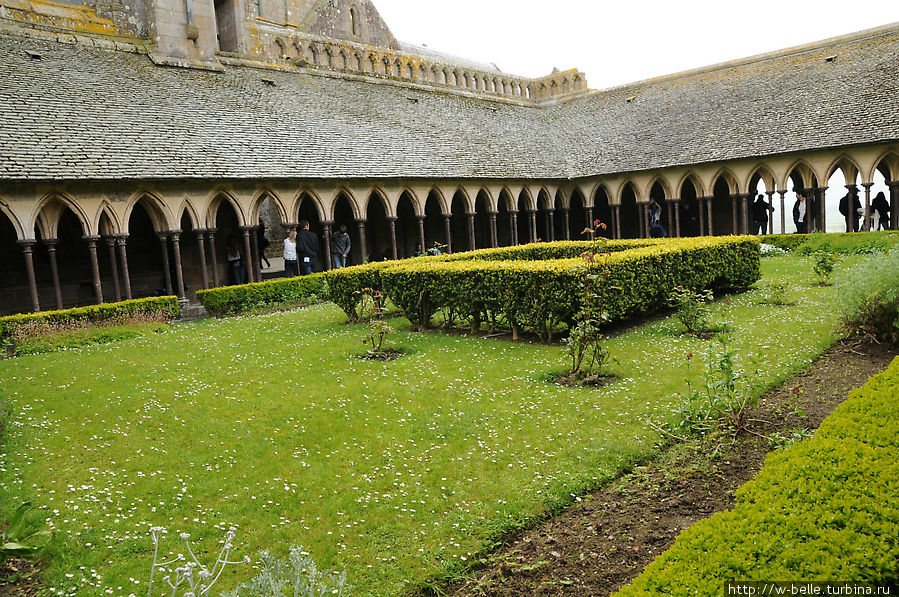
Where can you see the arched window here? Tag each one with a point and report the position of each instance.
(355, 25)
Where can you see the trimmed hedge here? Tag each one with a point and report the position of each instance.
(853, 243)
(287, 292)
(31, 325)
(345, 285)
(825, 509)
(539, 295)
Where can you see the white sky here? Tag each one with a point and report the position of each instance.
(625, 40)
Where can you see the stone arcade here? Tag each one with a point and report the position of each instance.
(138, 138)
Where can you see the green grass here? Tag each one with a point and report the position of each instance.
(86, 337)
(392, 471)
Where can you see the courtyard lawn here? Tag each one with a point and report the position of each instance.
(389, 471)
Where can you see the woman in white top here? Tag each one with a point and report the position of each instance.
(291, 269)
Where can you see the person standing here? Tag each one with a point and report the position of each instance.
(853, 204)
(307, 249)
(656, 230)
(263, 243)
(291, 269)
(881, 207)
(237, 273)
(340, 247)
(800, 213)
(760, 211)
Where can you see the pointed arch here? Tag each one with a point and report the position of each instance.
(218, 196)
(662, 183)
(801, 169)
(17, 226)
(297, 204)
(381, 195)
(65, 200)
(462, 192)
(440, 198)
(544, 198)
(694, 181)
(724, 173)
(188, 208)
(846, 164)
(888, 160)
(156, 207)
(114, 225)
(413, 197)
(260, 197)
(530, 203)
(764, 172)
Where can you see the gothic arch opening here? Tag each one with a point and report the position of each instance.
(228, 241)
(406, 227)
(145, 262)
(657, 194)
(602, 211)
(561, 219)
(577, 216)
(343, 216)
(689, 209)
(482, 221)
(630, 214)
(545, 223)
(504, 234)
(524, 232)
(462, 239)
(377, 229)
(726, 209)
(13, 278)
(434, 228)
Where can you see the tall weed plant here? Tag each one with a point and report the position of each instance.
(868, 295)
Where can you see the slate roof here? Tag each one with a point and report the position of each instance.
(80, 112)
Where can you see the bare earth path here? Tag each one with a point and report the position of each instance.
(611, 535)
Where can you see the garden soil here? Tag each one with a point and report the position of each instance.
(607, 538)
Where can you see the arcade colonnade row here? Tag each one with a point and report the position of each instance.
(192, 226)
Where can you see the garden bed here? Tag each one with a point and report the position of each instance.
(608, 538)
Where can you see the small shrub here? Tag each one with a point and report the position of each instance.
(824, 266)
(725, 399)
(692, 308)
(868, 296)
(18, 542)
(774, 293)
(297, 576)
(378, 330)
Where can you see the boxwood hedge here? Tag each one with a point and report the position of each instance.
(825, 509)
(30, 325)
(537, 286)
(853, 243)
(233, 300)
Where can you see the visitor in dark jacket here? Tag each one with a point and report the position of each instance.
(307, 248)
(800, 213)
(340, 247)
(760, 211)
(881, 207)
(850, 201)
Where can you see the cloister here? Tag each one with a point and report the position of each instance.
(70, 245)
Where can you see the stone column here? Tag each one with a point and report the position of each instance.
(391, 221)
(201, 247)
(589, 212)
(54, 269)
(567, 224)
(708, 206)
(616, 212)
(894, 204)
(421, 232)
(492, 215)
(166, 264)
(257, 259)
(27, 252)
(783, 212)
(643, 213)
(550, 225)
(360, 225)
(747, 202)
(669, 205)
(471, 239)
(114, 267)
(735, 207)
(326, 226)
(212, 258)
(676, 203)
(513, 223)
(850, 215)
(122, 242)
(95, 266)
(770, 213)
(175, 235)
(532, 215)
(867, 220)
(247, 254)
(821, 197)
(448, 231)
(701, 202)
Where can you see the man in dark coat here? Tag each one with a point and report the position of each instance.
(760, 211)
(307, 249)
(882, 207)
(850, 201)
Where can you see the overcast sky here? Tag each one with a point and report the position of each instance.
(626, 40)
